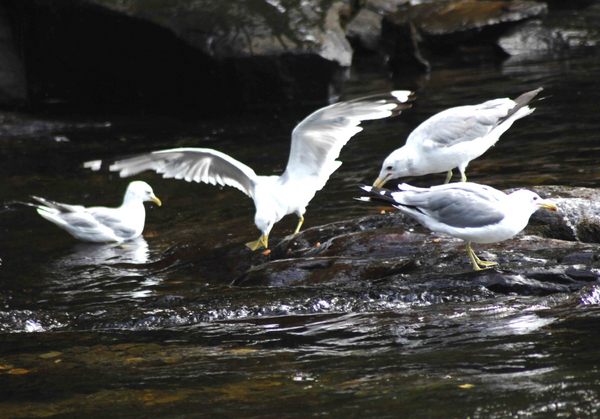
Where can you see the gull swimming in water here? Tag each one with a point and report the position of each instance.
(469, 211)
(316, 144)
(454, 137)
(101, 224)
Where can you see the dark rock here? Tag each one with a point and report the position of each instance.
(248, 28)
(365, 27)
(180, 54)
(559, 32)
(578, 217)
(451, 29)
(392, 247)
(13, 86)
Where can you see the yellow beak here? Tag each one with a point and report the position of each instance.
(380, 181)
(155, 199)
(548, 205)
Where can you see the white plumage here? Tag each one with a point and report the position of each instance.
(469, 211)
(316, 144)
(101, 224)
(452, 138)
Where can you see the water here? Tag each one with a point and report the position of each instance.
(154, 328)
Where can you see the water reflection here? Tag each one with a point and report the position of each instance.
(117, 270)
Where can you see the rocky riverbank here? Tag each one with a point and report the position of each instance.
(221, 55)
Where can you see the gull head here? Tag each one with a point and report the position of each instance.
(532, 201)
(397, 164)
(141, 191)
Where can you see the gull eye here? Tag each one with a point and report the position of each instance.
(535, 198)
(389, 168)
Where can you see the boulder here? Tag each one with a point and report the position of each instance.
(558, 252)
(208, 54)
(559, 32)
(419, 35)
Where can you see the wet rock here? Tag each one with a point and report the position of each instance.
(558, 32)
(449, 30)
(578, 217)
(392, 247)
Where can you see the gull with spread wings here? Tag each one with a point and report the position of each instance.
(316, 144)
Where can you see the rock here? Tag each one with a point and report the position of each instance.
(13, 86)
(393, 247)
(559, 32)
(451, 29)
(365, 28)
(248, 28)
(578, 217)
(182, 53)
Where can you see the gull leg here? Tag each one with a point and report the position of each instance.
(477, 263)
(300, 222)
(448, 176)
(262, 241)
(462, 169)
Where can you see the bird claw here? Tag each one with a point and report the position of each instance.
(258, 244)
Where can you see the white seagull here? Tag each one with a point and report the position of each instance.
(316, 144)
(470, 211)
(454, 137)
(101, 224)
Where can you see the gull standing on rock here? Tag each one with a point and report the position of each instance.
(470, 211)
(101, 224)
(454, 137)
(316, 144)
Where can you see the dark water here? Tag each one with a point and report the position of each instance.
(153, 327)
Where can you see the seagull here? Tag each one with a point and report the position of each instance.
(101, 224)
(454, 137)
(316, 144)
(466, 210)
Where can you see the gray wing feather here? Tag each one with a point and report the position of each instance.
(59, 206)
(192, 165)
(454, 206)
(467, 123)
(115, 224)
(457, 125)
(318, 140)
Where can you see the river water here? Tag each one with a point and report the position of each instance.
(154, 328)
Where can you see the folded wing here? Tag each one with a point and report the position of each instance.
(462, 206)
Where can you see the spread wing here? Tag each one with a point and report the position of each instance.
(461, 205)
(319, 138)
(192, 165)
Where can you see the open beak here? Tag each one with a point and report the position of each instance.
(380, 181)
(548, 205)
(155, 199)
